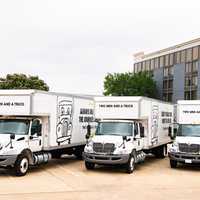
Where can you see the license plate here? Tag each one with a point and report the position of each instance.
(188, 161)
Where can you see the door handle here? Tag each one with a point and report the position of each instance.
(32, 137)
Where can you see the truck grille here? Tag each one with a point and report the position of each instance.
(103, 148)
(189, 148)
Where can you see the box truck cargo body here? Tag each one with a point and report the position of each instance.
(186, 134)
(128, 127)
(37, 125)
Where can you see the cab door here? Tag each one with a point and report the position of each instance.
(35, 137)
(138, 140)
(141, 132)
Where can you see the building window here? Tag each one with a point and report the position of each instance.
(195, 53)
(191, 80)
(165, 84)
(189, 55)
(170, 97)
(194, 81)
(156, 63)
(190, 95)
(161, 63)
(188, 67)
(187, 96)
(195, 66)
(139, 67)
(152, 64)
(167, 96)
(183, 56)
(148, 65)
(166, 60)
(135, 68)
(168, 84)
(168, 71)
(188, 82)
(191, 67)
(144, 66)
(178, 57)
(194, 95)
(171, 59)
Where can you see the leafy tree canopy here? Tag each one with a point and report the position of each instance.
(21, 81)
(129, 84)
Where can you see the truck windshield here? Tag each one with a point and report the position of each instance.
(18, 127)
(189, 130)
(114, 128)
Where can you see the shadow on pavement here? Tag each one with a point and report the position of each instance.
(64, 161)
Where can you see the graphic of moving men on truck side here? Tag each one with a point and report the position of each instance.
(155, 115)
(64, 125)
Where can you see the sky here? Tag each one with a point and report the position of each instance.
(72, 45)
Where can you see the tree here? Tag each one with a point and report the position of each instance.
(129, 84)
(21, 81)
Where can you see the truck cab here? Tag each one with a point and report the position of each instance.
(186, 146)
(116, 142)
(19, 136)
(186, 134)
(128, 128)
(36, 126)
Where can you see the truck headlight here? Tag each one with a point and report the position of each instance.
(89, 147)
(174, 147)
(89, 144)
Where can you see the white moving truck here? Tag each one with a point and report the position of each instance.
(186, 134)
(128, 128)
(37, 125)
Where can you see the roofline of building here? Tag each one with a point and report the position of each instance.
(168, 50)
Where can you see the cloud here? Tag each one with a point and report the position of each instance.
(72, 45)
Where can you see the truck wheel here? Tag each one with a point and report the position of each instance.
(130, 166)
(89, 165)
(21, 165)
(78, 153)
(173, 163)
(160, 152)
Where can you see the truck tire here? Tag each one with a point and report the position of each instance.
(89, 165)
(173, 163)
(21, 165)
(161, 151)
(130, 166)
(78, 153)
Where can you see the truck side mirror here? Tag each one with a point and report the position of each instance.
(88, 132)
(170, 134)
(126, 139)
(169, 131)
(87, 136)
(12, 136)
(142, 131)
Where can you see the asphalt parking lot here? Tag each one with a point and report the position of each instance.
(67, 178)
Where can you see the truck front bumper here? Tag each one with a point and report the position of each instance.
(106, 159)
(7, 160)
(184, 157)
